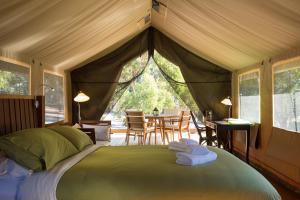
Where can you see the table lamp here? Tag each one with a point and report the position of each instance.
(155, 112)
(228, 103)
(81, 97)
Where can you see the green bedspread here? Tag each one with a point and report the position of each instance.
(150, 172)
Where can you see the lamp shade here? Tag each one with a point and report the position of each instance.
(81, 97)
(226, 101)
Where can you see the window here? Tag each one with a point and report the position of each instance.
(54, 98)
(14, 79)
(286, 96)
(249, 97)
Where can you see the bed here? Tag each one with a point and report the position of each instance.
(136, 172)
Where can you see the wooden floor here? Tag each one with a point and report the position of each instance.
(118, 139)
(285, 193)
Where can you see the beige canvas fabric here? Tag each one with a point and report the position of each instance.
(278, 149)
(231, 33)
(64, 33)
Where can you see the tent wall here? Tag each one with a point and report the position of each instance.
(99, 78)
(285, 165)
(207, 82)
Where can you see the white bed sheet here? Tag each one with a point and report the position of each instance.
(42, 185)
(8, 187)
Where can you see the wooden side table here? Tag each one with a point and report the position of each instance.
(225, 126)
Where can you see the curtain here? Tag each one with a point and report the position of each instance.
(99, 78)
(122, 86)
(172, 73)
(207, 82)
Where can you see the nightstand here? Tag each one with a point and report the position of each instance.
(90, 132)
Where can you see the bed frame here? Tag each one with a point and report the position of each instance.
(19, 112)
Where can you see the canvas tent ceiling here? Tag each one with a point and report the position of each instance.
(64, 33)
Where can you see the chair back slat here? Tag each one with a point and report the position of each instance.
(135, 119)
(185, 118)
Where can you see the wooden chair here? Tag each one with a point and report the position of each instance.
(201, 128)
(137, 126)
(182, 125)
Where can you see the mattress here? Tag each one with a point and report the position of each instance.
(150, 172)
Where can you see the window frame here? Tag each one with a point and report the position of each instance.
(259, 89)
(20, 64)
(274, 65)
(64, 90)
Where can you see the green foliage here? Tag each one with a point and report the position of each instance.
(54, 98)
(148, 91)
(151, 89)
(249, 87)
(13, 83)
(287, 81)
(174, 72)
(133, 68)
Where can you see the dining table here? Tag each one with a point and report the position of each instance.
(159, 122)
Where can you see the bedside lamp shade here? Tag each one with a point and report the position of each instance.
(226, 101)
(81, 97)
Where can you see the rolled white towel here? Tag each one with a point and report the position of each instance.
(194, 149)
(189, 159)
(188, 141)
(177, 146)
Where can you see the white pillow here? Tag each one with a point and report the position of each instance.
(10, 181)
(76, 126)
(101, 131)
(3, 165)
(16, 170)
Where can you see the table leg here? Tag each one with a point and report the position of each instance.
(231, 140)
(247, 144)
(161, 122)
(218, 137)
(208, 136)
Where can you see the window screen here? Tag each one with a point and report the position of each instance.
(249, 97)
(54, 98)
(286, 97)
(14, 79)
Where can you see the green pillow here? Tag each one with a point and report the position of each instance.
(37, 149)
(78, 138)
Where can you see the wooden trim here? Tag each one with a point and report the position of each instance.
(58, 123)
(20, 113)
(90, 132)
(285, 61)
(9, 96)
(52, 72)
(278, 176)
(40, 111)
(14, 61)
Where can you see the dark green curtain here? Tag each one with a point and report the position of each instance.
(169, 72)
(207, 82)
(123, 85)
(99, 79)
